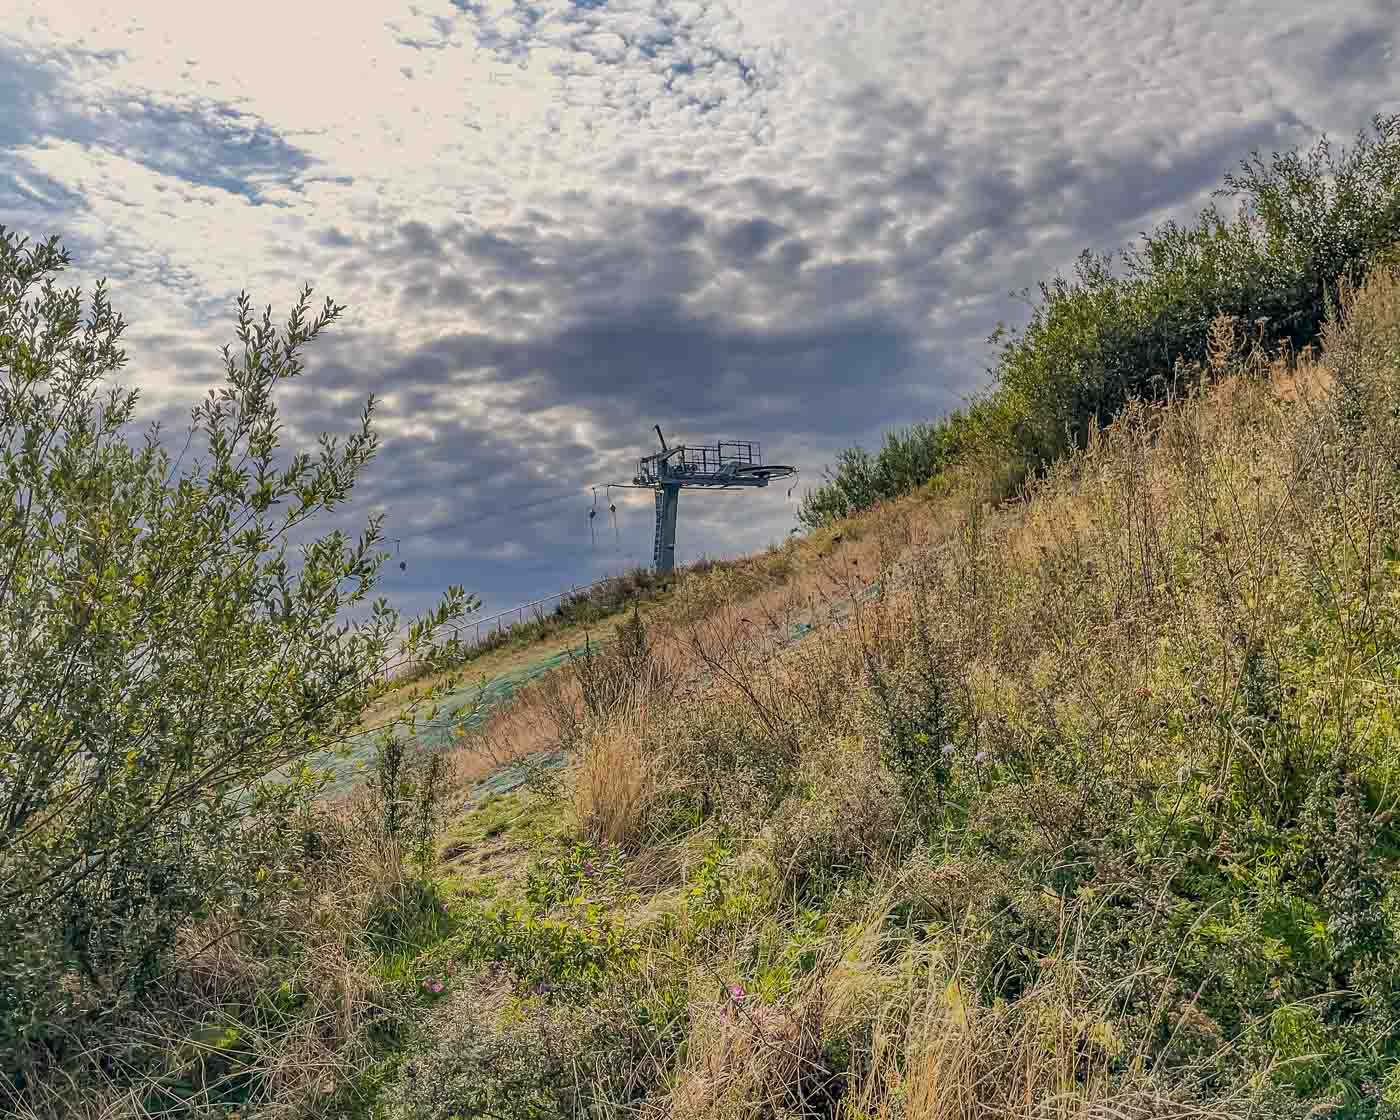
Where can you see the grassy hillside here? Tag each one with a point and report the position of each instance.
(788, 587)
(1087, 810)
(1078, 804)
(1081, 806)
(1090, 811)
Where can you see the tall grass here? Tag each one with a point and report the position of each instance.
(1083, 806)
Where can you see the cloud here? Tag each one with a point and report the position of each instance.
(557, 222)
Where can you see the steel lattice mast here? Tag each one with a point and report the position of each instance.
(727, 465)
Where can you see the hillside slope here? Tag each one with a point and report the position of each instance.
(1080, 806)
(1086, 809)
(789, 590)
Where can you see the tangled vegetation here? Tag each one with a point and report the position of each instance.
(1091, 810)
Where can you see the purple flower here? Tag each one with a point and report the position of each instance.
(588, 868)
(948, 750)
(982, 757)
(736, 992)
(433, 985)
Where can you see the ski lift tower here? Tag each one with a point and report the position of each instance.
(727, 465)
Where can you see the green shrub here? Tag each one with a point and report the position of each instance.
(724, 893)
(907, 459)
(166, 667)
(563, 937)
(1100, 339)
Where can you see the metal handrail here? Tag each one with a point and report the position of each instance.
(571, 592)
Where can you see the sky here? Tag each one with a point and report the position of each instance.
(556, 223)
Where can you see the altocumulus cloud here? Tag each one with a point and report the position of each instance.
(557, 223)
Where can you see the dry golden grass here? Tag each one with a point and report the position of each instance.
(747, 605)
(1118, 590)
(614, 779)
(748, 1061)
(1046, 1056)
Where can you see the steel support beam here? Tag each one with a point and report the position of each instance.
(668, 498)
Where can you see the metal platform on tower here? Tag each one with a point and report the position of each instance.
(726, 465)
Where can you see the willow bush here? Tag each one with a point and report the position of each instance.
(173, 650)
